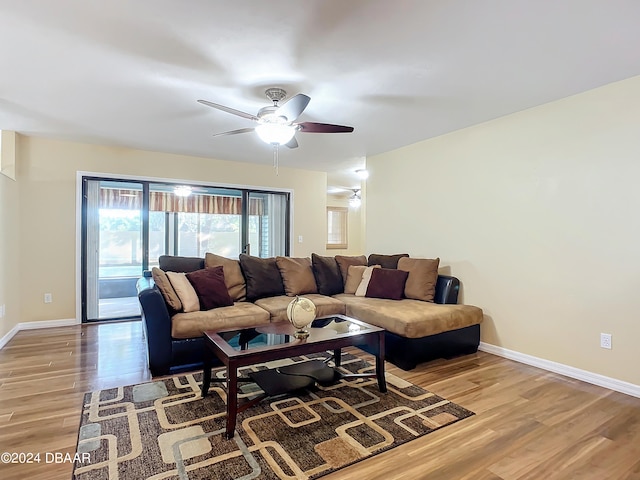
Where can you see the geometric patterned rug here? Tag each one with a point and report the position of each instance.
(165, 430)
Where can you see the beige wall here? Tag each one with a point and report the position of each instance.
(355, 227)
(537, 214)
(47, 205)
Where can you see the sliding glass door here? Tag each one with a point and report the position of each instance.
(194, 221)
(121, 217)
(112, 248)
(268, 224)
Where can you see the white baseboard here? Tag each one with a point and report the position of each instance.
(65, 322)
(9, 335)
(566, 370)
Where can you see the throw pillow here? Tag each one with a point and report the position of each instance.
(422, 279)
(174, 263)
(366, 278)
(387, 283)
(354, 277)
(185, 291)
(210, 287)
(327, 274)
(344, 262)
(297, 275)
(233, 278)
(166, 289)
(386, 261)
(262, 276)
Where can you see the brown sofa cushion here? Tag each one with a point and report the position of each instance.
(210, 288)
(277, 306)
(344, 262)
(386, 261)
(262, 276)
(240, 315)
(233, 278)
(387, 283)
(164, 285)
(327, 274)
(411, 318)
(297, 275)
(422, 279)
(186, 293)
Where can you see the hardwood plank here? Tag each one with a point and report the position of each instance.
(529, 423)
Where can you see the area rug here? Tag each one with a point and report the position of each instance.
(165, 430)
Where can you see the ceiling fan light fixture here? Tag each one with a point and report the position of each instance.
(275, 133)
(362, 174)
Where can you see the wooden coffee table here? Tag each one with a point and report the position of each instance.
(250, 346)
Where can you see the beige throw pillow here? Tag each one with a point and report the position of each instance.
(361, 291)
(423, 275)
(233, 277)
(354, 277)
(297, 275)
(185, 291)
(164, 285)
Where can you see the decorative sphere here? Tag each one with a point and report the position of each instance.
(301, 312)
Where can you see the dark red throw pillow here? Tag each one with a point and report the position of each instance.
(210, 288)
(387, 283)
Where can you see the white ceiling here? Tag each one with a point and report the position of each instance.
(128, 73)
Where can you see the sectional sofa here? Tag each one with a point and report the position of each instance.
(407, 297)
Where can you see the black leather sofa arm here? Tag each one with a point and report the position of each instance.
(157, 327)
(447, 289)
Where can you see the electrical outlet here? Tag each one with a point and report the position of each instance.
(2, 311)
(605, 340)
(48, 298)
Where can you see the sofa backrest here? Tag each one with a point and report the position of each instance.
(172, 263)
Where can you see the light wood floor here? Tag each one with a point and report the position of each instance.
(529, 424)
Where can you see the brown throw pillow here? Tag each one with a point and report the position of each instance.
(233, 278)
(262, 276)
(386, 261)
(164, 285)
(210, 287)
(174, 263)
(423, 275)
(185, 291)
(297, 275)
(344, 262)
(327, 274)
(387, 283)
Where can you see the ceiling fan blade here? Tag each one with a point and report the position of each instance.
(234, 132)
(293, 143)
(293, 107)
(314, 127)
(229, 110)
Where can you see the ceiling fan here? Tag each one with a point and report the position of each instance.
(276, 123)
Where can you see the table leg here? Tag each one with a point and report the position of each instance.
(337, 357)
(232, 399)
(206, 374)
(382, 382)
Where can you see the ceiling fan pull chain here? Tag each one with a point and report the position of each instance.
(275, 157)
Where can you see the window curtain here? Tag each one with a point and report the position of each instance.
(170, 202)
